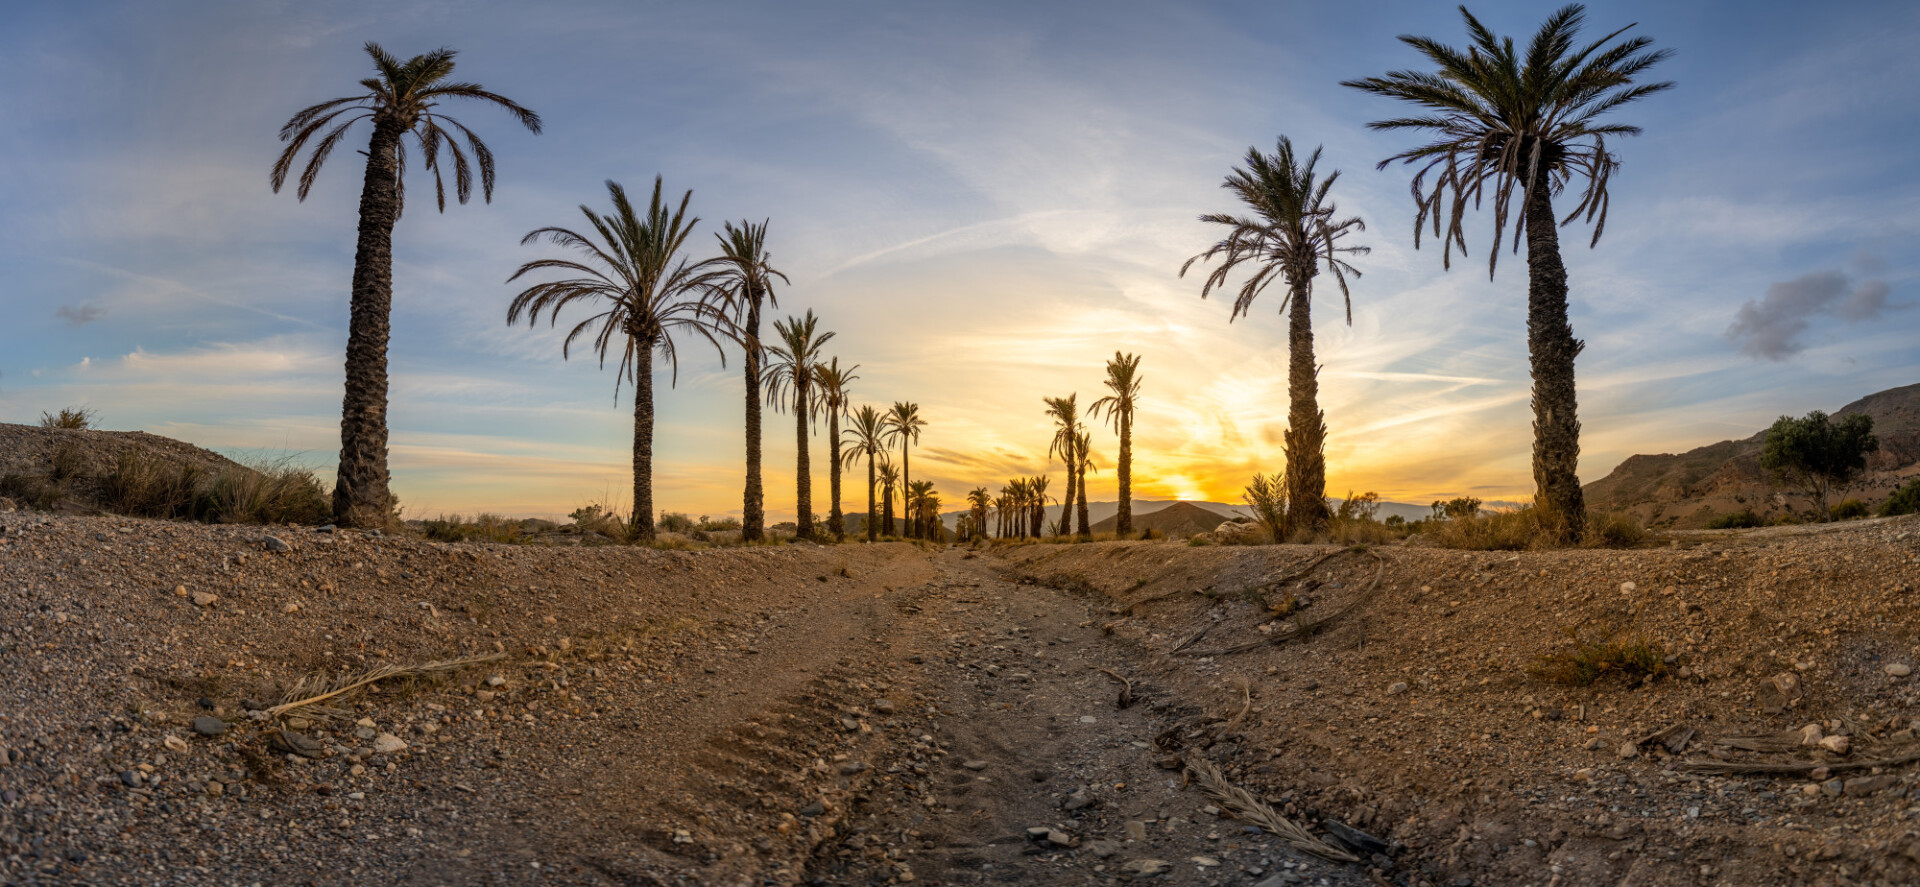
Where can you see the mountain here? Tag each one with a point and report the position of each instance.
(1176, 520)
(1689, 489)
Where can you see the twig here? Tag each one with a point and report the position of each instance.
(1246, 705)
(1190, 639)
(1126, 688)
(382, 673)
(1906, 755)
(1243, 804)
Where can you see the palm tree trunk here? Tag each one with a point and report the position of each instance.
(643, 442)
(753, 513)
(1306, 475)
(1080, 508)
(906, 483)
(803, 483)
(1123, 523)
(1066, 502)
(1552, 349)
(873, 517)
(886, 513)
(836, 522)
(360, 496)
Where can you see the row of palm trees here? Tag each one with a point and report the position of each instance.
(1510, 128)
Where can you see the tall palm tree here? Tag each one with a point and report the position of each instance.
(1292, 231)
(868, 432)
(1511, 130)
(904, 424)
(833, 382)
(1065, 412)
(744, 270)
(400, 101)
(1037, 506)
(1123, 380)
(643, 292)
(981, 502)
(790, 382)
(923, 509)
(889, 481)
(1083, 453)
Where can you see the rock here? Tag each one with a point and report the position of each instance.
(1102, 849)
(1078, 800)
(204, 598)
(851, 767)
(814, 809)
(496, 681)
(172, 742)
(1596, 744)
(1899, 670)
(1867, 785)
(1038, 833)
(208, 725)
(129, 778)
(1629, 751)
(1352, 837)
(1779, 692)
(1811, 734)
(275, 543)
(484, 695)
(388, 744)
(179, 591)
(1136, 830)
(1146, 868)
(290, 608)
(1627, 587)
(1832, 788)
(1060, 839)
(1839, 745)
(975, 766)
(289, 742)
(1398, 688)
(1205, 862)
(851, 725)
(882, 706)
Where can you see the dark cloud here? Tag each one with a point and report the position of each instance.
(80, 315)
(1771, 327)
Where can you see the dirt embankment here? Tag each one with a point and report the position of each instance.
(1413, 713)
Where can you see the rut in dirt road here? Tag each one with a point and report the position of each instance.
(1028, 771)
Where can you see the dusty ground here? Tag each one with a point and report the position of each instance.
(865, 715)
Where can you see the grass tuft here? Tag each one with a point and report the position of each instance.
(78, 419)
(1590, 660)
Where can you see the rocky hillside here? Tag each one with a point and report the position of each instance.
(1689, 489)
(1178, 521)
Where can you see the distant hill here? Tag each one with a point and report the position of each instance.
(1177, 520)
(1687, 490)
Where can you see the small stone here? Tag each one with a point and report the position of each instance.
(851, 767)
(1839, 745)
(1899, 670)
(1819, 774)
(387, 744)
(814, 809)
(295, 744)
(484, 695)
(129, 778)
(204, 598)
(179, 591)
(1811, 734)
(1629, 751)
(208, 725)
(1584, 774)
(1102, 849)
(1205, 862)
(882, 706)
(1832, 788)
(216, 789)
(1596, 744)
(1136, 830)
(1038, 832)
(1060, 839)
(275, 543)
(1078, 800)
(1144, 868)
(1627, 587)
(1867, 785)
(172, 742)
(1397, 688)
(496, 681)
(975, 766)
(290, 608)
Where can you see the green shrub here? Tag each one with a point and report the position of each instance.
(1738, 520)
(1590, 660)
(78, 419)
(142, 486)
(1849, 509)
(1266, 496)
(1905, 500)
(1520, 530)
(675, 522)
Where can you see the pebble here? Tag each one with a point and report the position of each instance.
(1629, 751)
(204, 598)
(1102, 849)
(851, 767)
(1899, 670)
(1832, 788)
(975, 766)
(1867, 785)
(208, 725)
(1205, 862)
(1839, 745)
(1398, 688)
(387, 744)
(1060, 839)
(496, 681)
(129, 778)
(1141, 868)
(814, 809)
(275, 543)
(1136, 830)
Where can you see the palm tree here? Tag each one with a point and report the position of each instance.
(1065, 412)
(1037, 506)
(868, 431)
(743, 269)
(904, 424)
(923, 509)
(643, 292)
(833, 383)
(790, 382)
(889, 481)
(400, 101)
(1083, 452)
(981, 502)
(1292, 231)
(1506, 127)
(1124, 381)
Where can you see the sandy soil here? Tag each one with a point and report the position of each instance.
(885, 714)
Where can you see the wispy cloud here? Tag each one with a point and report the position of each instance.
(80, 315)
(1772, 327)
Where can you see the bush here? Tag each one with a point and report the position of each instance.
(1905, 500)
(265, 493)
(143, 486)
(1850, 509)
(1520, 530)
(1589, 661)
(675, 522)
(77, 419)
(1609, 529)
(483, 528)
(33, 492)
(1266, 496)
(1738, 520)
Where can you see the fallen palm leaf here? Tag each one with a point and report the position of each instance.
(1126, 688)
(1244, 805)
(350, 683)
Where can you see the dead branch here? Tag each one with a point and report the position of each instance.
(1246, 705)
(1905, 754)
(1189, 640)
(382, 673)
(1126, 689)
(1244, 805)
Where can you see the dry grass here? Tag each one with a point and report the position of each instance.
(1520, 530)
(75, 418)
(1590, 660)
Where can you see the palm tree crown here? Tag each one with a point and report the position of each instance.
(1501, 121)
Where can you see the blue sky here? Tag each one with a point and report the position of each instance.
(984, 200)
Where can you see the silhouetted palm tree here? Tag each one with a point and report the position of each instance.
(1292, 232)
(981, 502)
(1037, 505)
(833, 383)
(889, 481)
(743, 268)
(1123, 380)
(1083, 453)
(1065, 412)
(868, 431)
(923, 509)
(790, 382)
(1505, 127)
(400, 101)
(643, 292)
(903, 425)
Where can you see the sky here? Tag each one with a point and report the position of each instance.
(983, 200)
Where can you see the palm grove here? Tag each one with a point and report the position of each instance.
(1506, 128)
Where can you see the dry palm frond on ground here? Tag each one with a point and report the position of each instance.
(315, 689)
(1244, 805)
